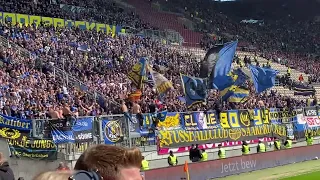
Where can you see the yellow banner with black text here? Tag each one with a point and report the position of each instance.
(181, 137)
(234, 118)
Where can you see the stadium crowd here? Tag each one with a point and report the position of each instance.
(102, 62)
(271, 37)
(94, 11)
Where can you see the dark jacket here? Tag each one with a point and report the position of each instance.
(6, 172)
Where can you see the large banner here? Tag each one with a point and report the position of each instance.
(39, 149)
(14, 128)
(70, 130)
(57, 22)
(178, 138)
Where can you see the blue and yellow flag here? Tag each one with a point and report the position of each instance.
(239, 95)
(237, 91)
(138, 73)
(241, 77)
(221, 78)
(194, 90)
(234, 94)
(263, 78)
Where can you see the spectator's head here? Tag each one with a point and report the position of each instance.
(112, 162)
(53, 175)
(62, 165)
(2, 158)
(80, 163)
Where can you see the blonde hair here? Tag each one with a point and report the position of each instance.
(109, 160)
(54, 175)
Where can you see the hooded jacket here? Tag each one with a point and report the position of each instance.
(6, 172)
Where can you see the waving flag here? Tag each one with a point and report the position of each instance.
(239, 94)
(220, 79)
(194, 90)
(263, 78)
(241, 77)
(138, 73)
(161, 83)
(209, 61)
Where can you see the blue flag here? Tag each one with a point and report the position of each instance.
(221, 78)
(194, 90)
(241, 77)
(207, 64)
(263, 78)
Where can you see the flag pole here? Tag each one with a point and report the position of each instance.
(186, 170)
(207, 89)
(188, 175)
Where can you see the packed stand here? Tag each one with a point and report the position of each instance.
(29, 91)
(270, 35)
(93, 11)
(104, 63)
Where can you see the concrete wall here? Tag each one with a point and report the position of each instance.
(158, 161)
(24, 167)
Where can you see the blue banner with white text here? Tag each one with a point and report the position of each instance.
(15, 123)
(71, 130)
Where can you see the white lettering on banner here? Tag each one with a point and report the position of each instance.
(312, 121)
(83, 136)
(236, 166)
(311, 112)
(85, 124)
(62, 137)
